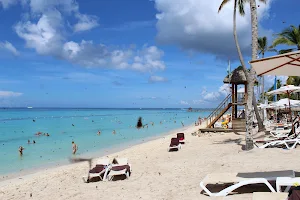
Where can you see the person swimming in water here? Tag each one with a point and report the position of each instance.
(139, 123)
(74, 147)
(28, 141)
(21, 150)
(99, 132)
(114, 132)
(33, 141)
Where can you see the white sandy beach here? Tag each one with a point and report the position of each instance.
(157, 174)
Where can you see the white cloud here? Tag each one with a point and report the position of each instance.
(88, 54)
(223, 91)
(6, 3)
(197, 25)
(6, 94)
(40, 6)
(44, 36)
(197, 102)
(86, 22)
(154, 79)
(9, 47)
(212, 96)
(44, 30)
(184, 102)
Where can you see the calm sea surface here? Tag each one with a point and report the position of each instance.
(19, 125)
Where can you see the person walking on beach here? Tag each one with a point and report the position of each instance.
(21, 150)
(74, 147)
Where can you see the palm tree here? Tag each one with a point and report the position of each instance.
(293, 80)
(249, 116)
(251, 74)
(263, 48)
(289, 36)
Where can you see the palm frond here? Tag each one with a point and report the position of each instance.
(281, 40)
(285, 51)
(222, 4)
(241, 4)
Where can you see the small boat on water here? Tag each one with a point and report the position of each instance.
(29, 107)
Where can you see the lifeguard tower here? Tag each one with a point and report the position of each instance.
(237, 98)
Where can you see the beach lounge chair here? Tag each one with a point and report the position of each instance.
(120, 168)
(241, 179)
(175, 144)
(269, 196)
(280, 133)
(180, 136)
(287, 182)
(100, 170)
(287, 143)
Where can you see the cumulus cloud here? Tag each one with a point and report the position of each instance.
(46, 33)
(197, 102)
(89, 54)
(6, 94)
(86, 22)
(43, 36)
(185, 23)
(40, 6)
(149, 98)
(184, 102)
(154, 79)
(9, 47)
(223, 91)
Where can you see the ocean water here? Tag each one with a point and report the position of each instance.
(19, 125)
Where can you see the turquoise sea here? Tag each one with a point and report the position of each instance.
(17, 126)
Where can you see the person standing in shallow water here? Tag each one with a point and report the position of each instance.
(21, 150)
(74, 147)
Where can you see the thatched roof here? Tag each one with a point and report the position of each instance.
(237, 76)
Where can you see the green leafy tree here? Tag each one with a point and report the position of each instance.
(262, 49)
(289, 36)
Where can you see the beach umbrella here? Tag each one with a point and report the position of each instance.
(287, 64)
(283, 103)
(288, 89)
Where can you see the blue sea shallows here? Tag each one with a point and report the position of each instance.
(17, 126)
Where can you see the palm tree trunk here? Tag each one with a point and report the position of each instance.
(250, 77)
(263, 84)
(254, 30)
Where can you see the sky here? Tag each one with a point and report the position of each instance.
(125, 53)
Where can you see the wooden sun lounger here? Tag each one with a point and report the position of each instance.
(241, 179)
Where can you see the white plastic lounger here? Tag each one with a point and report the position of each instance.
(286, 182)
(174, 144)
(280, 133)
(101, 168)
(269, 196)
(289, 143)
(241, 179)
(122, 168)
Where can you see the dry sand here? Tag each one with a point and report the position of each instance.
(157, 174)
